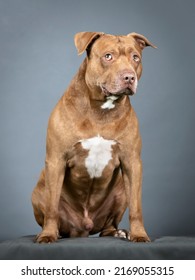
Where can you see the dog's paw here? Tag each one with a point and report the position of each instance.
(122, 233)
(135, 238)
(46, 237)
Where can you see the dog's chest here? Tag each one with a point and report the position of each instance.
(93, 158)
(99, 155)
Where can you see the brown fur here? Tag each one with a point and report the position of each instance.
(66, 200)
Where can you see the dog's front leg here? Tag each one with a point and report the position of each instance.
(54, 176)
(132, 174)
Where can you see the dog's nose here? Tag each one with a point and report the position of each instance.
(128, 77)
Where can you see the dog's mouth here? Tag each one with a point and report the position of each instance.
(119, 93)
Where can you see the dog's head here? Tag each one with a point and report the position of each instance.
(114, 63)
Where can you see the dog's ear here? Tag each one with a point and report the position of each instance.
(141, 40)
(83, 40)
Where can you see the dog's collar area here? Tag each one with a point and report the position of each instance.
(109, 104)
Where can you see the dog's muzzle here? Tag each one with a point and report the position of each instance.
(126, 84)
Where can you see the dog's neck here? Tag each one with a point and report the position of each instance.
(110, 102)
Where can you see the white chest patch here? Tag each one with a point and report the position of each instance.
(109, 104)
(100, 152)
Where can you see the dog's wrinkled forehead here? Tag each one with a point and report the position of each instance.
(110, 43)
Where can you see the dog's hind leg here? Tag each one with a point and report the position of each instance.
(111, 227)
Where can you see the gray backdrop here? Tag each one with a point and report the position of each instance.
(37, 61)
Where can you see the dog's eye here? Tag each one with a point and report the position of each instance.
(108, 56)
(136, 58)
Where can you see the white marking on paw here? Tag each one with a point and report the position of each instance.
(109, 102)
(100, 153)
(120, 233)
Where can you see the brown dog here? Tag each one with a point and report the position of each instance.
(93, 170)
